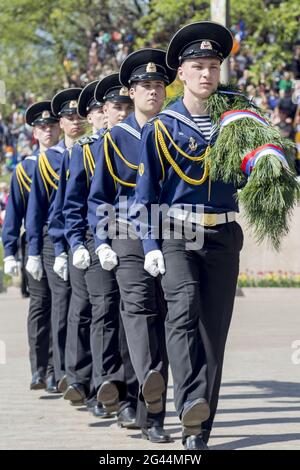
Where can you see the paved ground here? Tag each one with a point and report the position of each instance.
(260, 396)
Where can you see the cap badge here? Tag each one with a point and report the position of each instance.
(193, 144)
(206, 45)
(151, 67)
(45, 114)
(124, 91)
(73, 104)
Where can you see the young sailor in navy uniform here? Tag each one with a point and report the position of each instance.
(78, 359)
(40, 207)
(145, 75)
(46, 131)
(199, 282)
(101, 285)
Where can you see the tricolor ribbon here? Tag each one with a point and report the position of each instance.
(250, 160)
(232, 116)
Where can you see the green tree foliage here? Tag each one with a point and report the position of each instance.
(281, 18)
(36, 36)
(165, 17)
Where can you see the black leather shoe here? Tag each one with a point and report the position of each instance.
(98, 411)
(62, 384)
(76, 394)
(156, 434)
(194, 413)
(51, 386)
(126, 418)
(152, 390)
(37, 382)
(195, 443)
(108, 395)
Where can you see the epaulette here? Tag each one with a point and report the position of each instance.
(87, 139)
(31, 157)
(56, 148)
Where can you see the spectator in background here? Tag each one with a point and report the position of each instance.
(3, 196)
(297, 138)
(3, 133)
(93, 55)
(273, 99)
(285, 123)
(285, 83)
(287, 105)
(295, 65)
(122, 53)
(24, 139)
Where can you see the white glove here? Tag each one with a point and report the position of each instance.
(81, 258)
(34, 267)
(154, 263)
(60, 266)
(107, 257)
(11, 266)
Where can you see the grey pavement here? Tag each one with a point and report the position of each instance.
(259, 406)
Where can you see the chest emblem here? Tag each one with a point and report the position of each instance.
(193, 144)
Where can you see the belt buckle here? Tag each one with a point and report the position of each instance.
(208, 220)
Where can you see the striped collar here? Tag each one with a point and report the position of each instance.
(179, 111)
(131, 126)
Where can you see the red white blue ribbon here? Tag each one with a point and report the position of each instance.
(232, 116)
(251, 159)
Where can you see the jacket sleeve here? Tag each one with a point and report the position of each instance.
(100, 201)
(75, 203)
(147, 192)
(57, 223)
(14, 215)
(37, 212)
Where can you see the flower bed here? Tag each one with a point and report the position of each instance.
(269, 279)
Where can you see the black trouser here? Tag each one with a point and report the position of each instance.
(105, 300)
(78, 348)
(24, 278)
(199, 287)
(39, 324)
(132, 385)
(141, 314)
(60, 298)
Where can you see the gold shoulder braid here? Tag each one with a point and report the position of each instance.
(23, 180)
(108, 138)
(47, 172)
(161, 146)
(88, 161)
